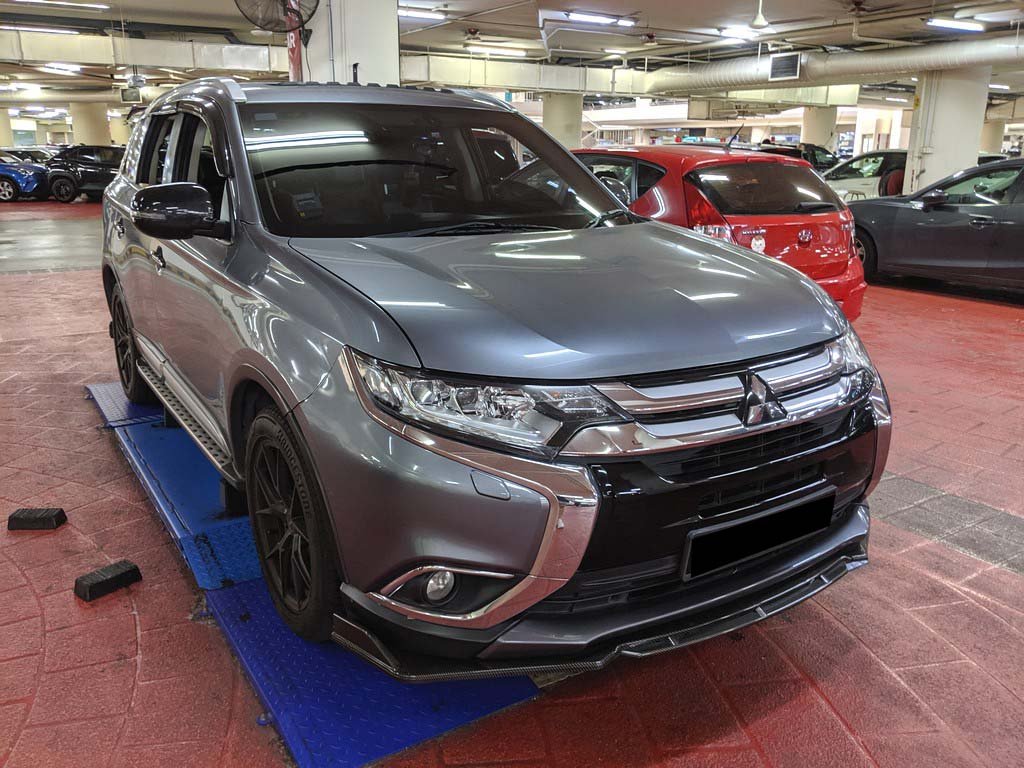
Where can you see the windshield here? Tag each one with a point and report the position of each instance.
(765, 188)
(5, 158)
(359, 170)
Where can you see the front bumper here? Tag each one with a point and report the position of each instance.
(543, 643)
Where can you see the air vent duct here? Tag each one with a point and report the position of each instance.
(784, 66)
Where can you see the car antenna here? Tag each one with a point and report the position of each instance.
(728, 144)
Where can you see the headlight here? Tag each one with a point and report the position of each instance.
(855, 357)
(539, 419)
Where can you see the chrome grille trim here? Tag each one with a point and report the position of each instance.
(674, 397)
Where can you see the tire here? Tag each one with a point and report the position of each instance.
(891, 183)
(9, 190)
(126, 353)
(64, 189)
(867, 252)
(289, 520)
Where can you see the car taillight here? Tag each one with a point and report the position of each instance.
(851, 230)
(702, 216)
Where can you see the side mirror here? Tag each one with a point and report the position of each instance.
(933, 198)
(617, 187)
(175, 212)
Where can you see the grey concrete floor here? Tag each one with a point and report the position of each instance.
(31, 241)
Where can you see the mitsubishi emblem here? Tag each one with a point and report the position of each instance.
(760, 404)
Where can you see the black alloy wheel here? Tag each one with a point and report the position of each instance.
(64, 190)
(8, 190)
(125, 352)
(866, 252)
(290, 525)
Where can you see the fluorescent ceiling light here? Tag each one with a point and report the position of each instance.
(50, 70)
(597, 18)
(742, 32)
(964, 25)
(422, 13)
(897, 99)
(998, 87)
(66, 67)
(35, 108)
(54, 30)
(489, 50)
(68, 4)
(616, 51)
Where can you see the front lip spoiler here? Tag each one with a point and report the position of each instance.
(693, 629)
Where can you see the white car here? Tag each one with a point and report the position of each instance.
(877, 174)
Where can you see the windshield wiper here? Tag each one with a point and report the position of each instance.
(805, 206)
(600, 219)
(473, 228)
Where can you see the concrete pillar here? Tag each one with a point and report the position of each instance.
(119, 130)
(89, 122)
(41, 134)
(562, 117)
(992, 133)
(353, 32)
(818, 126)
(945, 132)
(6, 134)
(759, 132)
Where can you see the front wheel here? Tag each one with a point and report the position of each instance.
(127, 354)
(291, 528)
(64, 190)
(8, 190)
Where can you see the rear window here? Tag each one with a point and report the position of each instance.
(764, 188)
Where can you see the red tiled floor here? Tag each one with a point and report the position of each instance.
(908, 662)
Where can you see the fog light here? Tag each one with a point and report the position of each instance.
(439, 586)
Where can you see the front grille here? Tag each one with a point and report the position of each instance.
(754, 450)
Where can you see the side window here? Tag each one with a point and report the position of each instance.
(647, 175)
(154, 149)
(861, 168)
(607, 167)
(194, 161)
(992, 188)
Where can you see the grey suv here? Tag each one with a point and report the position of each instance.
(485, 419)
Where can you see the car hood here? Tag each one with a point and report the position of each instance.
(582, 304)
(25, 167)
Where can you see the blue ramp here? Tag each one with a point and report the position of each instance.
(332, 709)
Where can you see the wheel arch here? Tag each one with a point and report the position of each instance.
(109, 282)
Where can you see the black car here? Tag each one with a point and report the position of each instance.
(966, 228)
(83, 169)
(817, 156)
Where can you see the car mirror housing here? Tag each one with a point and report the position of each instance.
(933, 198)
(175, 211)
(617, 188)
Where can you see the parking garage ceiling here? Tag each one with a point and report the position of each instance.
(646, 34)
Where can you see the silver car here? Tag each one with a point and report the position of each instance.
(484, 418)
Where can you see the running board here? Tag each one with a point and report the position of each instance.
(198, 433)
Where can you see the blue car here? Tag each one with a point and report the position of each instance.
(18, 179)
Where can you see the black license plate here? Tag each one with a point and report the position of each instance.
(715, 547)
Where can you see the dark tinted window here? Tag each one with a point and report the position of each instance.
(154, 149)
(991, 188)
(764, 188)
(647, 175)
(356, 170)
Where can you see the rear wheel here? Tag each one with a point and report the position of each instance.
(291, 528)
(866, 252)
(135, 388)
(8, 190)
(63, 189)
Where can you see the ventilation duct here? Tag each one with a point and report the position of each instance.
(831, 68)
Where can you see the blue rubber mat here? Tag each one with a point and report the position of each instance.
(117, 410)
(185, 489)
(331, 707)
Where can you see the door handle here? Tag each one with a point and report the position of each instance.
(119, 227)
(979, 222)
(157, 255)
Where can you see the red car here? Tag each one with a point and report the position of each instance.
(773, 204)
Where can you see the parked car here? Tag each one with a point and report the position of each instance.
(485, 418)
(82, 169)
(819, 157)
(768, 203)
(21, 179)
(878, 174)
(965, 229)
(38, 155)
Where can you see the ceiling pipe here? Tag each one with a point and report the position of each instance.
(818, 68)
